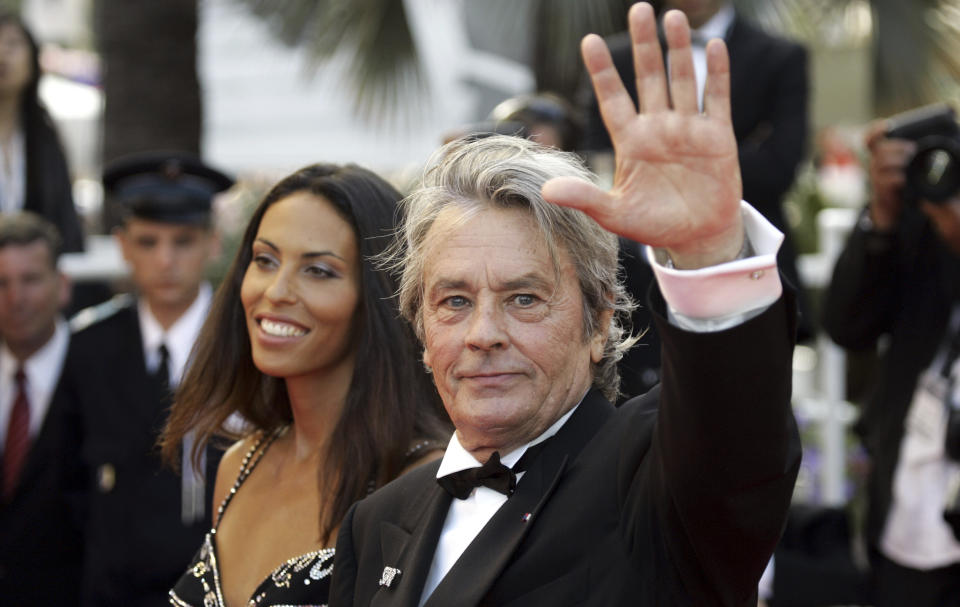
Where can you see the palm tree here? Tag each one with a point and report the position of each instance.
(386, 70)
(151, 89)
(915, 43)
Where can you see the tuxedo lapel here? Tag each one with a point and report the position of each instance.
(478, 567)
(471, 577)
(412, 551)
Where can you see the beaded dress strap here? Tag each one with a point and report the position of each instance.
(250, 462)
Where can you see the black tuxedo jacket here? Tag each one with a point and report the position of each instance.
(136, 545)
(904, 288)
(675, 498)
(40, 538)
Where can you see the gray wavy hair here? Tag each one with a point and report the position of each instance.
(506, 172)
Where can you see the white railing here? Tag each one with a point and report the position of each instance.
(102, 261)
(820, 389)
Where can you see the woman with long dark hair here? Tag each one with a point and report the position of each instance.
(304, 341)
(33, 166)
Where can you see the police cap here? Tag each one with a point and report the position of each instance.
(171, 187)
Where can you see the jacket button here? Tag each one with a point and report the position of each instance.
(106, 478)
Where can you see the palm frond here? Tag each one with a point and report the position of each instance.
(374, 35)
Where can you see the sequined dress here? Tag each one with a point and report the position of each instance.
(302, 581)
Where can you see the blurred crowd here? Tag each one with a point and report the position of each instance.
(130, 427)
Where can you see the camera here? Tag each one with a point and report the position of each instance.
(934, 171)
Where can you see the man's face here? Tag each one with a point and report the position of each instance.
(167, 260)
(32, 292)
(503, 332)
(698, 12)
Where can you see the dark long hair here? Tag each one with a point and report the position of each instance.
(391, 401)
(47, 184)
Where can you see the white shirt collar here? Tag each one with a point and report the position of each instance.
(457, 458)
(42, 371)
(717, 26)
(179, 338)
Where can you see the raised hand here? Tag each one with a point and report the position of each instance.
(888, 159)
(677, 180)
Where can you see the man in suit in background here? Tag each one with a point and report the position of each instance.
(897, 280)
(675, 498)
(768, 97)
(143, 522)
(40, 544)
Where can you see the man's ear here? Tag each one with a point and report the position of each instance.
(598, 343)
(120, 236)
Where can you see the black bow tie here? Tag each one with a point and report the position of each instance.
(492, 474)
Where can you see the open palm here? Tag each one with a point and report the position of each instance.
(677, 180)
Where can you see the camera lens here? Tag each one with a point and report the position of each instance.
(934, 172)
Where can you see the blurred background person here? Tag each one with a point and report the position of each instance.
(544, 117)
(304, 340)
(40, 544)
(769, 92)
(33, 166)
(898, 281)
(143, 521)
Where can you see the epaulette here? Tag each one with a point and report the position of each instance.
(94, 314)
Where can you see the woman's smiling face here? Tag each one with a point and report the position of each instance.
(302, 287)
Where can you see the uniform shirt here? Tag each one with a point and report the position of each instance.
(708, 299)
(179, 338)
(42, 371)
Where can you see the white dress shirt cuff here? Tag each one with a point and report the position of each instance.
(721, 296)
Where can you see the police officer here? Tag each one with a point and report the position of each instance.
(143, 522)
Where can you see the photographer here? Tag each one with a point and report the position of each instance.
(898, 278)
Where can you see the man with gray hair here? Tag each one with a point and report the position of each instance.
(547, 494)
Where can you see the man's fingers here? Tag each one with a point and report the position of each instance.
(892, 154)
(716, 90)
(647, 59)
(876, 132)
(582, 195)
(683, 80)
(616, 106)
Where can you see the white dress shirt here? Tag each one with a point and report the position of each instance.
(704, 300)
(13, 173)
(915, 534)
(179, 338)
(716, 27)
(42, 372)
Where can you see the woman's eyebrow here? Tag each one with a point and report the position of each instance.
(307, 255)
